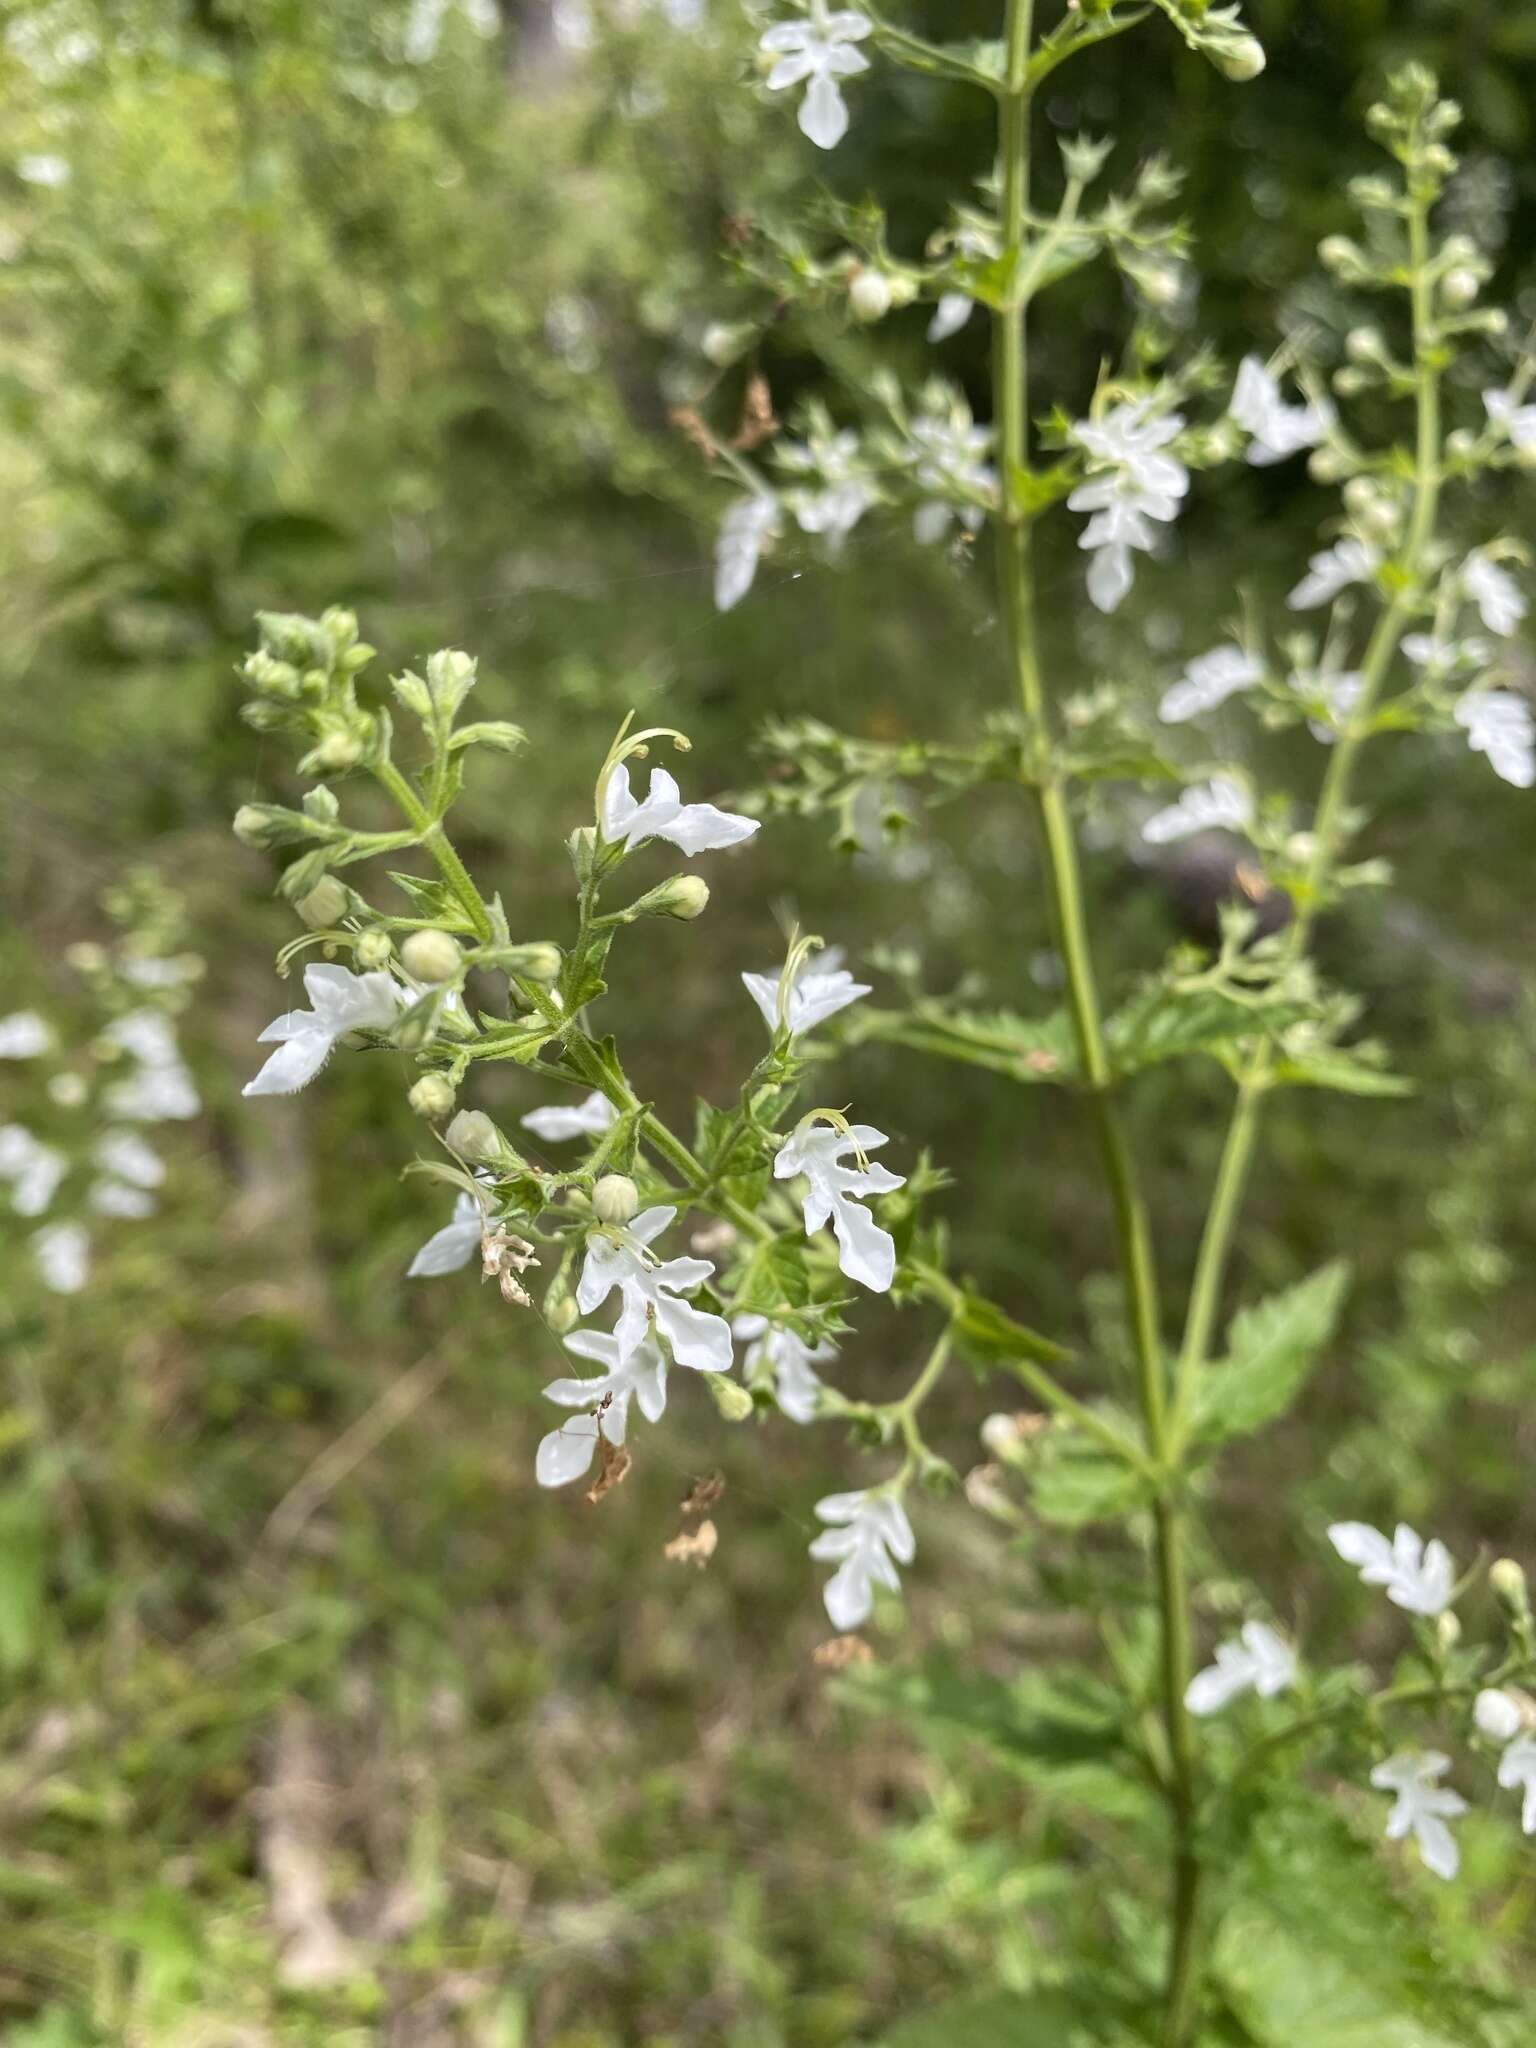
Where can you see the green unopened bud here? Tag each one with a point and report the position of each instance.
(372, 950)
(1241, 60)
(339, 750)
(431, 956)
(473, 1136)
(731, 1398)
(723, 342)
(1327, 465)
(1459, 287)
(67, 1090)
(1365, 345)
(1005, 1438)
(1510, 1588)
(326, 904)
(560, 1311)
(433, 1096)
(615, 1199)
(685, 896)
(1447, 1630)
(869, 294)
(252, 826)
(540, 962)
(450, 675)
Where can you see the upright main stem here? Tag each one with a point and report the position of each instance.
(1133, 1234)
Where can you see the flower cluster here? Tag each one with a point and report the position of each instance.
(94, 1167)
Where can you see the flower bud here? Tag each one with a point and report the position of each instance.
(1242, 60)
(733, 1401)
(251, 825)
(339, 750)
(1327, 465)
(451, 673)
(1364, 345)
(67, 1090)
(372, 950)
(869, 294)
(615, 1198)
(541, 962)
(1002, 1438)
(686, 897)
(431, 956)
(1448, 1630)
(326, 904)
(1510, 1589)
(473, 1136)
(1496, 1715)
(723, 342)
(1459, 287)
(560, 1311)
(433, 1096)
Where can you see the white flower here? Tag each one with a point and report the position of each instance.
(1422, 1807)
(589, 1117)
(117, 1199)
(62, 1251)
(1517, 422)
(777, 1354)
(820, 990)
(649, 1288)
(1278, 429)
(866, 1253)
(132, 1169)
(868, 1532)
(844, 492)
(125, 1156)
(450, 1249)
(161, 1087)
(23, 1035)
(150, 972)
(1495, 592)
(1417, 1575)
(1496, 1715)
(1134, 486)
(1347, 561)
(744, 533)
(34, 1170)
(1517, 1767)
(948, 454)
(43, 169)
(950, 315)
(820, 50)
(343, 1002)
(1441, 657)
(1340, 691)
(834, 511)
(1260, 1661)
(693, 828)
(566, 1452)
(1499, 724)
(1209, 680)
(1222, 804)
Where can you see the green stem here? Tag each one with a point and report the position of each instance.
(1016, 594)
(435, 840)
(1329, 826)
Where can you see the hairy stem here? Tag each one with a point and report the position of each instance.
(1133, 1233)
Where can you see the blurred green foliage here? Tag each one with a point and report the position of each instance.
(311, 317)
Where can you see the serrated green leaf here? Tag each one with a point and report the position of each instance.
(1162, 1022)
(1076, 1480)
(1271, 1348)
